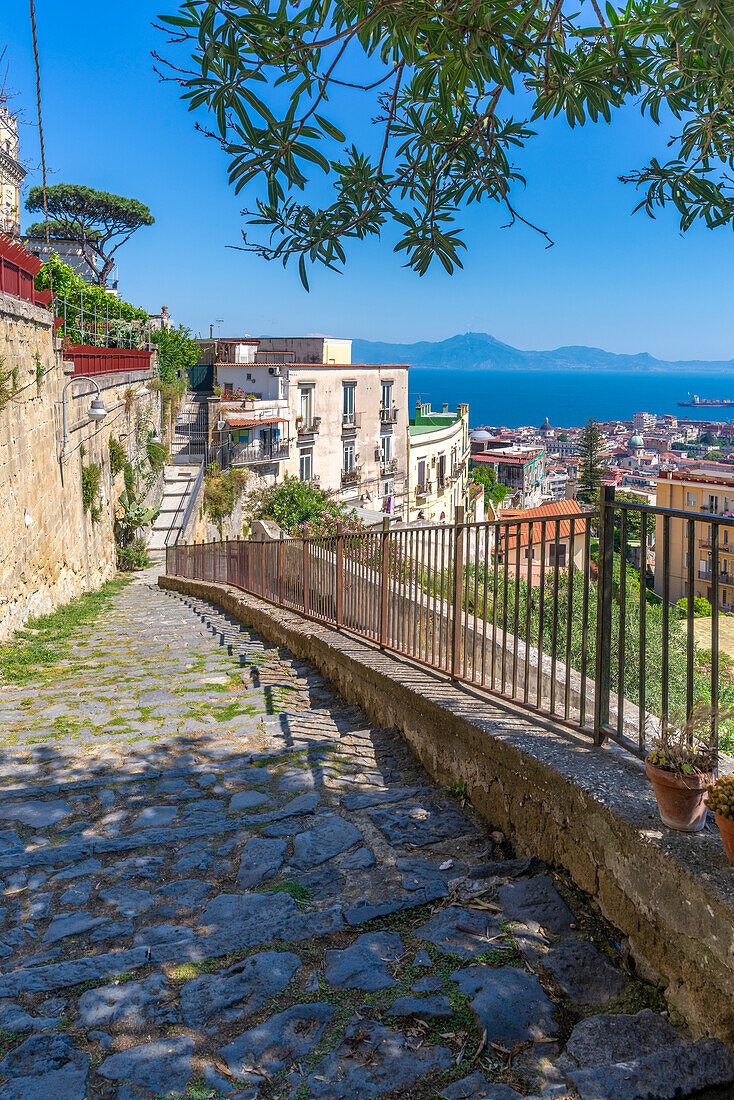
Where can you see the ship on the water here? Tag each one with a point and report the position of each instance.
(706, 402)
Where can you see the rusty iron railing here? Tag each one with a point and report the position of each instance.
(544, 612)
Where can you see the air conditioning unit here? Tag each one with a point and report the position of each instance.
(378, 454)
(274, 370)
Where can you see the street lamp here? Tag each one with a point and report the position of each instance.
(97, 411)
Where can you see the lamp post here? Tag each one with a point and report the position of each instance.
(97, 411)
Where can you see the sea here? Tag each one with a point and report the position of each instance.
(515, 398)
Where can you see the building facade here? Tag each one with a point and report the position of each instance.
(704, 488)
(521, 469)
(12, 173)
(438, 463)
(325, 420)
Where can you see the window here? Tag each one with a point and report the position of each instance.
(441, 475)
(691, 500)
(422, 472)
(305, 404)
(228, 389)
(561, 554)
(385, 449)
(349, 459)
(350, 388)
(386, 400)
(305, 464)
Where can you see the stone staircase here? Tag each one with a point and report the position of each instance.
(178, 485)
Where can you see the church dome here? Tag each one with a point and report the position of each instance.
(546, 426)
(636, 441)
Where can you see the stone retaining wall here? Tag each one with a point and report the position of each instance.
(50, 548)
(588, 810)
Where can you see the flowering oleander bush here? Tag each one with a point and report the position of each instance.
(302, 510)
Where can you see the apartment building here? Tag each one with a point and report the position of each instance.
(320, 418)
(438, 463)
(644, 422)
(704, 487)
(12, 173)
(521, 469)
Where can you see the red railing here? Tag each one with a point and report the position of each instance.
(90, 360)
(18, 268)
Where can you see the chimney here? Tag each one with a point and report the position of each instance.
(445, 406)
(211, 332)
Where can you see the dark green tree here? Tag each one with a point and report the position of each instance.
(589, 448)
(98, 221)
(177, 351)
(486, 476)
(455, 89)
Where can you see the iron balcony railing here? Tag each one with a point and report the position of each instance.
(351, 421)
(246, 454)
(388, 415)
(546, 612)
(350, 477)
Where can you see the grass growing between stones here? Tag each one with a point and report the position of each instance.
(44, 641)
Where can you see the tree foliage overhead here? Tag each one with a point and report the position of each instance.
(455, 89)
(98, 221)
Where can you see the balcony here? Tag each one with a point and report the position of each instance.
(389, 466)
(707, 575)
(351, 421)
(250, 454)
(352, 477)
(388, 416)
(423, 491)
(308, 427)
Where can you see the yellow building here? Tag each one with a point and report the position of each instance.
(705, 487)
(438, 463)
(12, 173)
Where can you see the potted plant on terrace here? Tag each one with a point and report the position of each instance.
(680, 767)
(721, 800)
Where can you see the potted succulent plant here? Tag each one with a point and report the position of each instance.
(721, 800)
(680, 767)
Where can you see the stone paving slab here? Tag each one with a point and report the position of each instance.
(219, 880)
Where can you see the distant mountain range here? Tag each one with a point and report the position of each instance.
(480, 351)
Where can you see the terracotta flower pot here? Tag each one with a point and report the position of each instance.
(680, 798)
(726, 828)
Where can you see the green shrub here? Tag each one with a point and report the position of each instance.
(157, 454)
(91, 479)
(133, 556)
(701, 607)
(221, 489)
(118, 457)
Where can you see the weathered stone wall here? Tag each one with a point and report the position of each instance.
(50, 548)
(589, 810)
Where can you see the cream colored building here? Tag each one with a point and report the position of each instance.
(707, 488)
(340, 425)
(438, 464)
(12, 173)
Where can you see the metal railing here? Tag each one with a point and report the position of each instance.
(547, 613)
(84, 321)
(244, 454)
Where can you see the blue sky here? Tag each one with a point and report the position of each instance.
(612, 280)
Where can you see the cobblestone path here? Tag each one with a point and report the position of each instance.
(219, 880)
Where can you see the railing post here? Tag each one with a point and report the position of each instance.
(339, 575)
(458, 583)
(280, 569)
(605, 593)
(384, 578)
(306, 594)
